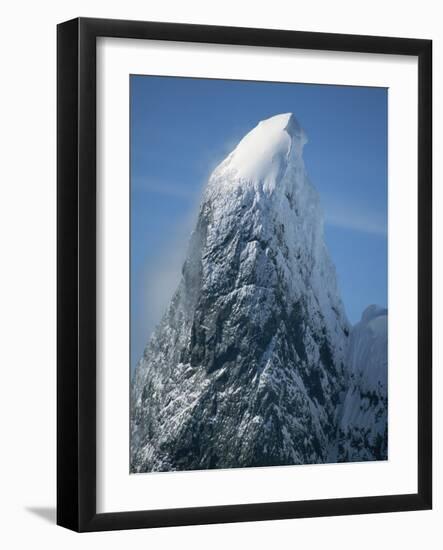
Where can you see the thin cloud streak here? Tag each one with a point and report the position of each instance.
(167, 189)
(363, 226)
(355, 219)
(180, 190)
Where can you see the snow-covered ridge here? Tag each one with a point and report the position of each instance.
(372, 312)
(363, 423)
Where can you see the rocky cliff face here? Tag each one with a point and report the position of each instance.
(248, 365)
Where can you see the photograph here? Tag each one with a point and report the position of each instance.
(258, 274)
(220, 264)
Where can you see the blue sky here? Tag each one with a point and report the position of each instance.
(182, 128)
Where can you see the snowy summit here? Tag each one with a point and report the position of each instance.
(263, 154)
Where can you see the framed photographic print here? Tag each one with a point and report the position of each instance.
(244, 274)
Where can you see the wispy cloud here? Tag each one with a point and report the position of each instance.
(355, 218)
(177, 190)
(161, 274)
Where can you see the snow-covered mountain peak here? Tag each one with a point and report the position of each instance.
(247, 366)
(261, 197)
(263, 154)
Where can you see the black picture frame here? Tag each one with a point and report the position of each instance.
(76, 278)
